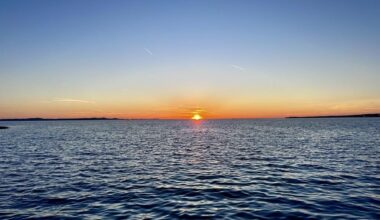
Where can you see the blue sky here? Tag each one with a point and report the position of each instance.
(248, 58)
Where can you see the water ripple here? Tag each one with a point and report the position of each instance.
(231, 169)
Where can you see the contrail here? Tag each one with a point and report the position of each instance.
(238, 67)
(148, 51)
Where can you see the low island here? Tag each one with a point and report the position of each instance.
(339, 116)
(56, 119)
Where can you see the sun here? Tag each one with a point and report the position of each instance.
(196, 117)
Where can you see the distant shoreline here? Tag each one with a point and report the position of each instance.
(57, 119)
(104, 118)
(340, 116)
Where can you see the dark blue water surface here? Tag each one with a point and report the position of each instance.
(232, 169)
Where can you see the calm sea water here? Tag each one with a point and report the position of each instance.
(233, 169)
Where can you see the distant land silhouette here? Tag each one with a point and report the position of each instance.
(3, 127)
(339, 116)
(104, 118)
(57, 119)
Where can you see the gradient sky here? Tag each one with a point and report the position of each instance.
(170, 59)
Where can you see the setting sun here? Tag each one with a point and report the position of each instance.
(196, 117)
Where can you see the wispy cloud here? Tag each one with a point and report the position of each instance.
(238, 67)
(148, 51)
(181, 111)
(74, 100)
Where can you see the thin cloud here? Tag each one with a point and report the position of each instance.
(74, 100)
(238, 67)
(148, 51)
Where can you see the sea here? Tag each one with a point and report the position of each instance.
(323, 168)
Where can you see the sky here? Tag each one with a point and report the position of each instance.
(173, 59)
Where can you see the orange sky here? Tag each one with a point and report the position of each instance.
(207, 108)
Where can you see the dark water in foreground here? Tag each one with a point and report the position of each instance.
(295, 168)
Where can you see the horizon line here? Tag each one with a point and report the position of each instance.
(226, 118)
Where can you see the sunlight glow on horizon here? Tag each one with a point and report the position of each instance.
(197, 117)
